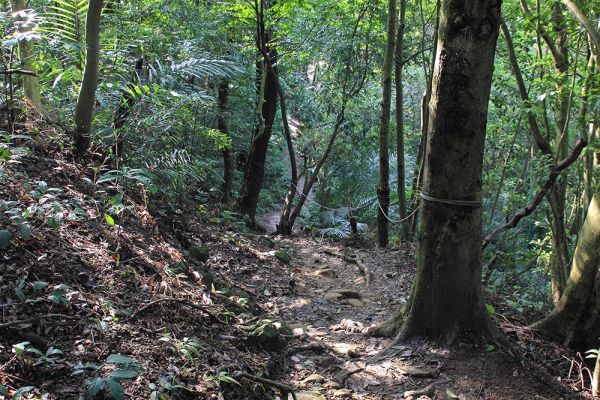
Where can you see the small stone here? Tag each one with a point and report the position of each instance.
(343, 393)
(356, 302)
(328, 272)
(333, 296)
(309, 395)
(298, 332)
(314, 378)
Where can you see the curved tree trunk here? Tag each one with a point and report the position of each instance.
(576, 319)
(84, 111)
(447, 297)
(31, 84)
(383, 188)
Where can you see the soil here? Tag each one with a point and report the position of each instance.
(143, 289)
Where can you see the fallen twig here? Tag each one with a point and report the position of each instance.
(39, 317)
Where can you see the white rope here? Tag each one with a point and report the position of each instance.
(465, 203)
(300, 193)
(400, 220)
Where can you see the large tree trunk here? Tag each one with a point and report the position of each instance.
(84, 111)
(401, 167)
(223, 98)
(576, 319)
(31, 84)
(383, 188)
(447, 297)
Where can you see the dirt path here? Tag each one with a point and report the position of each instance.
(334, 306)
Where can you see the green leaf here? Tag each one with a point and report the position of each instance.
(25, 231)
(20, 392)
(116, 199)
(116, 390)
(109, 220)
(490, 308)
(94, 386)
(39, 285)
(3, 391)
(119, 359)
(5, 237)
(5, 154)
(20, 348)
(124, 374)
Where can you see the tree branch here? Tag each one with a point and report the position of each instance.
(530, 208)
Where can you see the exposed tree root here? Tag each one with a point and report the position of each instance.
(286, 389)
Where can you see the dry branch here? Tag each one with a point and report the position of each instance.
(39, 317)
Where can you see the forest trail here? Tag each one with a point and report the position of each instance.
(195, 301)
(335, 304)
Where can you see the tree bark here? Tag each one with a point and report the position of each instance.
(223, 99)
(84, 111)
(447, 298)
(401, 167)
(383, 188)
(576, 319)
(255, 167)
(425, 115)
(31, 83)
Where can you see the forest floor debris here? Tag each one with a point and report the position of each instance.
(232, 321)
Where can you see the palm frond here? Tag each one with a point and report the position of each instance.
(64, 21)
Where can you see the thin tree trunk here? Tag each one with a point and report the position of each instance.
(223, 98)
(383, 188)
(401, 167)
(84, 111)
(446, 297)
(425, 115)
(31, 84)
